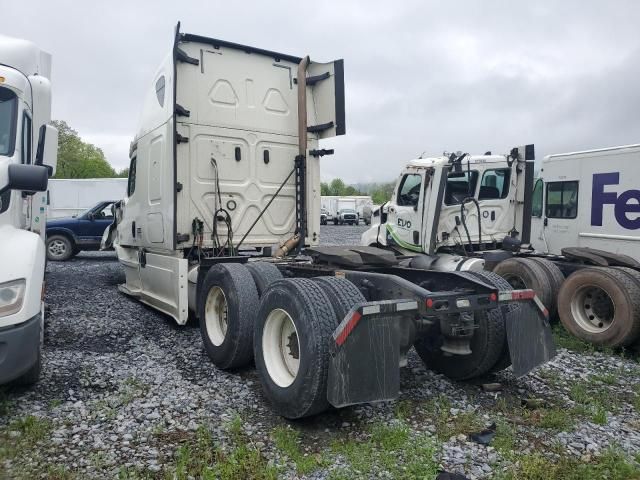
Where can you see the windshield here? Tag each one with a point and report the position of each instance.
(8, 115)
(348, 210)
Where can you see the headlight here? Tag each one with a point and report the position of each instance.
(11, 296)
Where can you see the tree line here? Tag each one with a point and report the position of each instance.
(80, 159)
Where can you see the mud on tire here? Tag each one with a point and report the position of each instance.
(526, 273)
(228, 301)
(601, 305)
(291, 345)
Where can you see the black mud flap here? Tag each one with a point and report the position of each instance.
(365, 352)
(529, 336)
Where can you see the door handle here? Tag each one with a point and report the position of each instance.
(133, 229)
(546, 221)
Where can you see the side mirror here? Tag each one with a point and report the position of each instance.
(47, 151)
(91, 216)
(28, 178)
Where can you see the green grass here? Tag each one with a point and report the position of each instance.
(390, 451)
(636, 397)
(554, 418)
(30, 430)
(201, 458)
(594, 400)
(287, 441)
(505, 439)
(438, 411)
(5, 404)
(611, 465)
(564, 339)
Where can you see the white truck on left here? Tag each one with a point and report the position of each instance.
(28, 155)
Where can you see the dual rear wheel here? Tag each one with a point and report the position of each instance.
(285, 325)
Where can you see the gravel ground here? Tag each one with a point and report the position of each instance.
(124, 389)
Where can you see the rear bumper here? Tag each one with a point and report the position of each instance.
(19, 347)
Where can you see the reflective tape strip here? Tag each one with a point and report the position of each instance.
(516, 295)
(406, 306)
(369, 309)
(541, 306)
(348, 328)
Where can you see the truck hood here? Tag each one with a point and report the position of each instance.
(22, 255)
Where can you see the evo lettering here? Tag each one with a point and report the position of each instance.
(625, 205)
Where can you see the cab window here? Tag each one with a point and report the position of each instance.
(494, 184)
(8, 116)
(105, 213)
(536, 207)
(131, 184)
(562, 200)
(26, 139)
(409, 191)
(460, 185)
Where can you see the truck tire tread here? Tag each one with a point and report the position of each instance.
(264, 274)
(616, 283)
(342, 293)
(241, 296)
(314, 320)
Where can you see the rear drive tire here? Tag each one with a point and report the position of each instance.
(264, 274)
(504, 361)
(342, 293)
(59, 248)
(556, 279)
(601, 305)
(486, 345)
(291, 344)
(525, 273)
(228, 301)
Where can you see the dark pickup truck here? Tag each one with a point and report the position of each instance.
(67, 237)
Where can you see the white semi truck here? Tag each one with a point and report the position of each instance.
(226, 163)
(472, 212)
(28, 152)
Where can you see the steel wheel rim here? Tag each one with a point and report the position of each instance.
(216, 315)
(281, 348)
(593, 309)
(57, 248)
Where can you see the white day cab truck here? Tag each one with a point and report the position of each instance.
(28, 153)
(225, 166)
(474, 212)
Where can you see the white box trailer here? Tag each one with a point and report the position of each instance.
(70, 197)
(227, 157)
(334, 203)
(588, 199)
(28, 152)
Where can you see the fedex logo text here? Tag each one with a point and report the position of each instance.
(625, 205)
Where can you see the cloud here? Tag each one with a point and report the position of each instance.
(420, 75)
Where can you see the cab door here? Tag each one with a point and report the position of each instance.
(404, 220)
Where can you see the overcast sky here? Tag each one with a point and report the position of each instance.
(420, 76)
